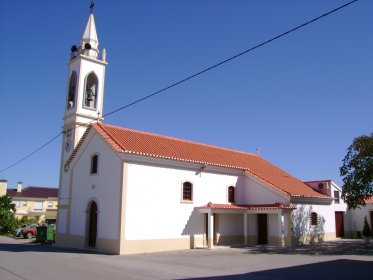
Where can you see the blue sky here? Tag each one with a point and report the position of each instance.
(302, 99)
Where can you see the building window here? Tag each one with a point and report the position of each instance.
(38, 205)
(314, 219)
(94, 164)
(50, 203)
(231, 197)
(24, 203)
(336, 197)
(16, 203)
(72, 90)
(187, 191)
(90, 94)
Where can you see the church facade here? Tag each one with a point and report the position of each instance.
(125, 191)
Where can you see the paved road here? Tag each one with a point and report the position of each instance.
(332, 260)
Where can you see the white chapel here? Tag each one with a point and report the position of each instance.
(125, 191)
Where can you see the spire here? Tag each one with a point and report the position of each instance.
(89, 40)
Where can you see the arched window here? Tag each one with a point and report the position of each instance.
(72, 90)
(91, 90)
(187, 191)
(94, 164)
(231, 197)
(314, 219)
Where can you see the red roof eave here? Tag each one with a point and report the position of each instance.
(275, 206)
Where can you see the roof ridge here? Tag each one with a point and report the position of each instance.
(102, 127)
(175, 138)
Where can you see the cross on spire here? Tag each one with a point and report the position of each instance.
(91, 6)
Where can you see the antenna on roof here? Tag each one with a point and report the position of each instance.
(258, 151)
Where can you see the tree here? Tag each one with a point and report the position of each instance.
(357, 171)
(7, 210)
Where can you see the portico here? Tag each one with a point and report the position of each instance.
(231, 224)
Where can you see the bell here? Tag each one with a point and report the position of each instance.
(89, 95)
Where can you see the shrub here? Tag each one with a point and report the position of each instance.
(366, 229)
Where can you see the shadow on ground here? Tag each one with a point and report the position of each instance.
(338, 269)
(31, 246)
(333, 248)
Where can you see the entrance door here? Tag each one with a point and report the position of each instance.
(262, 229)
(371, 219)
(339, 224)
(92, 233)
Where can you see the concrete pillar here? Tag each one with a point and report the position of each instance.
(245, 217)
(281, 228)
(210, 232)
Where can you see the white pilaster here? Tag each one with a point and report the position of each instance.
(245, 223)
(210, 230)
(281, 228)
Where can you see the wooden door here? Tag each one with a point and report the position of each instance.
(262, 229)
(339, 224)
(92, 233)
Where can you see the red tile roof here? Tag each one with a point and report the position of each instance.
(369, 200)
(130, 141)
(34, 192)
(245, 207)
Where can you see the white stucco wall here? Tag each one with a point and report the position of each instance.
(356, 218)
(252, 224)
(63, 192)
(61, 221)
(274, 225)
(231, 224)
(104, 188)
(154, 209)
(259, 193)
(326, 218)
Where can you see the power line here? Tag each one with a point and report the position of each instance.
(34, 152)
(231, 58)
(190, 77)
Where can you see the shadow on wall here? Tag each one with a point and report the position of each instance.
(302, 230)
(338, 269)
(194, 226)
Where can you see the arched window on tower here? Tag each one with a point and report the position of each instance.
(72, 90)
(91, 89)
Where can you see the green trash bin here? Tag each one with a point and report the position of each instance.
(41, 234)
(51, 233)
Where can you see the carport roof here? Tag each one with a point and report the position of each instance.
(274, 206)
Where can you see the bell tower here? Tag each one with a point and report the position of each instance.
(85, 87)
